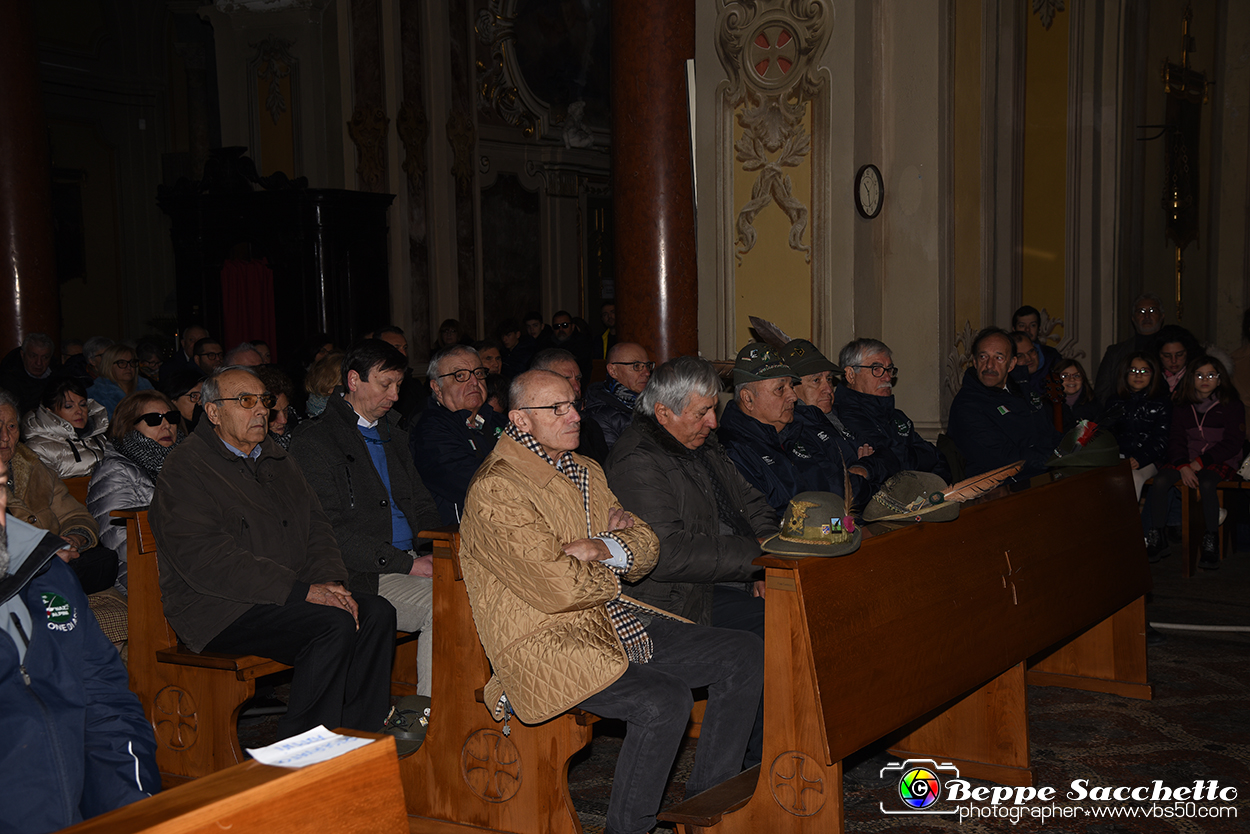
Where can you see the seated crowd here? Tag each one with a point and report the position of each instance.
(609, 527)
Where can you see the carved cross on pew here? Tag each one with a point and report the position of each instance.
(1007, 577)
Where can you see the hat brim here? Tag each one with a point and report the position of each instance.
(778, 546)
(946, 511)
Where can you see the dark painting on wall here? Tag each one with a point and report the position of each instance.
(511, 257)
(562, 49)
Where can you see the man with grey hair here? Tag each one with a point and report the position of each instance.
(245, 354)
(865, 403)
(26, 370)
(456, 430)
(249, 564)
(1147, 317)
(668, 468)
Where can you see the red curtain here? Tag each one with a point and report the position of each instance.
(247, 304)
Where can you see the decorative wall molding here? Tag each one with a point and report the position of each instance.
(414, 131)
(1045, 11)
(272, 63)
(769, 49)
(463, 136)
(958, 359)
(368, 131)
(502, 88)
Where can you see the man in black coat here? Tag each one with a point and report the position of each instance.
(355, 457)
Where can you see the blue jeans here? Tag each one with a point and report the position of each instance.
(654, 701)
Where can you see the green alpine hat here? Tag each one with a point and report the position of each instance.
(758, 361)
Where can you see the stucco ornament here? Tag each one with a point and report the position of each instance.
(769, 50)
(273, 63)
(502, 89)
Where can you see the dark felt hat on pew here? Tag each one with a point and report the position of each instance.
(912, 496)
(1072, 457)
(758, 361)
(815, 524)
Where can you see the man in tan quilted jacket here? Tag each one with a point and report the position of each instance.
(545, 545)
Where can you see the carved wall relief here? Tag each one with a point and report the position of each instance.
(501, 88)
(368, 131)
(769, 49)
(414, 129)
(461, 134)
(273, 63)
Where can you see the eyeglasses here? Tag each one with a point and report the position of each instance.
(638, 367)
(124, 363)
(463, 374)
(1205, 377)
(154, 419)
(1140, 371)
(560, 409)
(562, 325)
(879, 370)
(249, 400)
(1071, 375)
(214, 355)
(1025, 353)
(1146, 311)
(193, 396)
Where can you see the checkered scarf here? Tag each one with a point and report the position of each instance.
(634, 637)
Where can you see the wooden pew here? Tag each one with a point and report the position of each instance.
(193, 700)
(1193, 525)
(357, 792)
(928, 636)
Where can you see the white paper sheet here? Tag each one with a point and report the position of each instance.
(316, 745)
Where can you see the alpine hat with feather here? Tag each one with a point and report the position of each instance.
(815, 524)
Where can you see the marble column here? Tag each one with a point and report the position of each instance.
(653, 198)
(29, 294)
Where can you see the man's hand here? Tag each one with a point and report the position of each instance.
(333, 595)
(865, 450)
(68, 554)
(1188, 478)
(1133, 464)
(588, 550)
(422, 566)
(757, 588)
(618, 519)
(858, 470)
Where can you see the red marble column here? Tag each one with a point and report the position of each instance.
(657, 294)
(29, 294)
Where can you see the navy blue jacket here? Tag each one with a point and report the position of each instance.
(76, 742)
(447, 453)
(612, 415)
(802, 457)
(896, 443)
(1142, 425)
(996, 426)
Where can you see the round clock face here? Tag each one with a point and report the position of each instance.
(868, 191)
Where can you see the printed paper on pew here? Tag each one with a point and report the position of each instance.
(316, 745)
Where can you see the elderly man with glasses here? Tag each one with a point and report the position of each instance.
(456, 430)
(1147, 317)
(865, 403)
(249, 564)
(611, 403)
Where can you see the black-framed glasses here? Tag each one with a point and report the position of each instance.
(463, 374)
(154, 419)
(560, 408)
(1071, 375)
(638, 367)
(124, 363)
(193, 396)
(249, 400)
(879, 370)
(1140, 371)
(212, 354)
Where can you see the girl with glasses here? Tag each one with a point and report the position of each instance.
(119, 377)
(67, 430)
(144, 431)
(1076, 395)
(1139, 416)
(1204, 447)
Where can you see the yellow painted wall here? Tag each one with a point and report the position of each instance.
(277, 139)
(1045, 166)
(774, 281)
(967, 164)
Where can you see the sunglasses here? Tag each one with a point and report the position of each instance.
(155, 418)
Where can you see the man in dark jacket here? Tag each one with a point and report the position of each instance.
(1147, 317)
(249, 564)
(455, 431)
(611, 403)
(865, 403)
(76, 741)
(356, 459)
(993, 424)
(781, 448)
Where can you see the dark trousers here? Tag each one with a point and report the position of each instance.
(734, 607)
(342, 674)
(1167, 478)
(654, 700)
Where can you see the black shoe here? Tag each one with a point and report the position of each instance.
(1156, 545)
(1209, 558)
(263, 706)
(1154, 637)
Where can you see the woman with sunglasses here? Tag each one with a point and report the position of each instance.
(1139, 416)
(143, 431)
(119, 377)
(1204, 448)
(67, 430)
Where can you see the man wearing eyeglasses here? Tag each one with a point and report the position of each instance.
(456, 430)
(611, 403)
(208, 355)
(865, 404)
(356, 458)
(991, 421)
(546, 546)
(1147, 317)
(249, 564)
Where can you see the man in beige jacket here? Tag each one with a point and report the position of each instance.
(545, 545)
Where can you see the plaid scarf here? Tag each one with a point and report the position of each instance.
(620, 392)
(634, 637)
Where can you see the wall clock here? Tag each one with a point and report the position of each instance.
(869, 191)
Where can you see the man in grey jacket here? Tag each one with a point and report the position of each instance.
(356, 459)
(669, 469)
